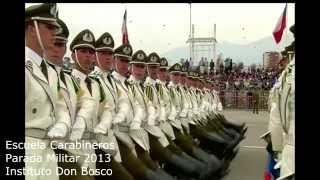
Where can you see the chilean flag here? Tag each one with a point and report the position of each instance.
(125, 37)
(270, 173)
(281, 25)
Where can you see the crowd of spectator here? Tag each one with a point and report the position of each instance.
(259, 79)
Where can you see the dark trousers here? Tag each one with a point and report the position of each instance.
(134, 165)
(71, 166)
(118, 171)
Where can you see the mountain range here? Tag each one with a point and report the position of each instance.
(251, 53)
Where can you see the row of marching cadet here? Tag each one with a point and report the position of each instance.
(162, 122)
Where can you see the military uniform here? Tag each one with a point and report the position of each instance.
(282, 121)
(161, 134)
(46, 111)
(88, 97)
(165, 104)
(69, 90)
(127, 121)
(107, 110)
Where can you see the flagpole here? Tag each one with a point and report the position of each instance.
(287, 24)
(190, 48)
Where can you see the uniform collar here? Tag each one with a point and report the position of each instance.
(159, 81)
(101, 72)
(149, 80)
(118, 76)
(58, 68)
(171, 84)
(79, 74)
(132, 79)
(32, 55)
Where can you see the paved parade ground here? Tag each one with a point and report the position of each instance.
(250, 162)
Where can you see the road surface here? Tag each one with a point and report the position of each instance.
(250, 162)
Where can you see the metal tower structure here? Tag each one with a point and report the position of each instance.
(202, 47)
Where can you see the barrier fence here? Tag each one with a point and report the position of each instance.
(244, 99)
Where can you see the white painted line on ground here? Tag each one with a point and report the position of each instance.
(254, 147)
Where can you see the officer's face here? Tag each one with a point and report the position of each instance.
(175, 77)
(47, 33)
(55, 54)
(138, 71)
(162, 74)
(194, 83)
(153, 70)
(187, 81)
(105, 59)
(167, 76)
(121, 66)
(86, 58)
(182, 79)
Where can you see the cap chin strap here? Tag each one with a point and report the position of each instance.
(148, 74)
(77, 61)
(35, 22)
(116, 66)
(98, 61)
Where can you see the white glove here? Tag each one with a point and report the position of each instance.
(59, 130)
(220, 108)
(78, 129)
(136, 122)
(100, 129)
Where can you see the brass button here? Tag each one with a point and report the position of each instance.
(34, 110)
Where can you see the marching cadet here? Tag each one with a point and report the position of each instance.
(186, 107)
(153, 100)
(185, 141)
(104, 63)
(164, 98)
(165, 105)
(88, 94)
(209, 141)
(55, 58)
(159, 144)
(148, 114)
(46, 112)
(126, 124)
(217, 102)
